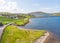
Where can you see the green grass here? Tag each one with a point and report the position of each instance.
(13, 34)
(6, 20)
(21, 21)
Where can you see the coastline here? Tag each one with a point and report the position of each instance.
(17, 33)
(43, 38)
(46, 40)
(51, 38)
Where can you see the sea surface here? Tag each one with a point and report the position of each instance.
(51, 24)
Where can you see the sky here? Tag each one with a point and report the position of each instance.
(26, 6)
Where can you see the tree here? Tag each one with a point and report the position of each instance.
(1, 24)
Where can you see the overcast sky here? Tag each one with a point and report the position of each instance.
(25, 6)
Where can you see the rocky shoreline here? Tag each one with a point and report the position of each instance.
(51, 39)
(47, 38)
(43, 38)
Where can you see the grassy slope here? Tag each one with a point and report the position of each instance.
(6, 20)
(14, 35)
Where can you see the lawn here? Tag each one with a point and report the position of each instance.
(6, 20)
(12, 34)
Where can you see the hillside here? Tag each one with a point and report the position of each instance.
(37, 13)
(12, 34)
(56, 14)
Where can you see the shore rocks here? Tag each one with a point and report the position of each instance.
(52, 39)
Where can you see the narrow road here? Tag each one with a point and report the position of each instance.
(2, 28)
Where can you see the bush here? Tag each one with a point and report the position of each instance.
(1, 24)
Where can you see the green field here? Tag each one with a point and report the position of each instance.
(12, 34)
(6, 20)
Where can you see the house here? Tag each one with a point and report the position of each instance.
(12, 16)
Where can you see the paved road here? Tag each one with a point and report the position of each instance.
(2, 28)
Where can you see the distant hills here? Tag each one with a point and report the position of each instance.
(37, 13)
(43, 14)
(33, 14)
(56, 14)
(9, 13)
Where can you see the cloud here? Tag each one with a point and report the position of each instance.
(2, 2)
(35, 4)
(12, 6)
(50, 10)
(9, 7)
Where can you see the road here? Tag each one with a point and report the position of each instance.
(2, 29)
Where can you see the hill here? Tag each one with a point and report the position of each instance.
(37, 13)
(56, 14)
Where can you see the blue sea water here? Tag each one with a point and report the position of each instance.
(50, 23)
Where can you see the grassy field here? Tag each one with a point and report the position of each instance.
(12, 34)
(6, 20)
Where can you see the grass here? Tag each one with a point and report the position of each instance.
(6, 20)
(21, 21)
(12, 34)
